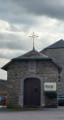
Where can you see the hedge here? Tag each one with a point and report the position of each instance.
(51, 94)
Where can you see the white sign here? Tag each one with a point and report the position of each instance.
(49, 86)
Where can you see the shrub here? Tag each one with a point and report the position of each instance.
(51, 94)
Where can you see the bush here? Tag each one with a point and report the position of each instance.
(51, 95)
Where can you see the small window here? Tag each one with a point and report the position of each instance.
(59, 78)
(32, 65)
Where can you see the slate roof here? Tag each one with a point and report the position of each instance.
(58, 44)
(31, 55)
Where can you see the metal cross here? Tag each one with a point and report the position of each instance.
(33, 36)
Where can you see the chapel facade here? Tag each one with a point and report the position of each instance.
(27, 76)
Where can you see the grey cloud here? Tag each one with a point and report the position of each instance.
(10, 55)
(11, 12)
(12, 41)
(25, 20)
(24, 11)
(15, 49)
(2, 55)
(7, 9)
(51, 8)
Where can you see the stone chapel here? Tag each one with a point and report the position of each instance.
(29, 76)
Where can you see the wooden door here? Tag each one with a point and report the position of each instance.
(31, 92)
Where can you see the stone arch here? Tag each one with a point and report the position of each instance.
(21, 95)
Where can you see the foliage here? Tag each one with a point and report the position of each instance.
(51, 94)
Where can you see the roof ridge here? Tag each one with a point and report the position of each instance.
(33, 54)
(57, 44)
(33, 50)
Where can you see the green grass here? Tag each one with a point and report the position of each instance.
(20, 109)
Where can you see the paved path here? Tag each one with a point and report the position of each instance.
(46, 114)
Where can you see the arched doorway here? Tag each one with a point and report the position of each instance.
(31, 92)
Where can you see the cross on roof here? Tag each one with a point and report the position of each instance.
(33, 37)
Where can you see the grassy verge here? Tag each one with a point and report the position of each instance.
(20, 109)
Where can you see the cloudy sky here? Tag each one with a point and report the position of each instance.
(20, 18)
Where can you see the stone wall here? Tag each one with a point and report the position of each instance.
(17, 71)
(51, 103)
(58, 56)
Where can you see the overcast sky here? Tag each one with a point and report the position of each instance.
(20, 18)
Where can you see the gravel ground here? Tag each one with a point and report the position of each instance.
(45, 114)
